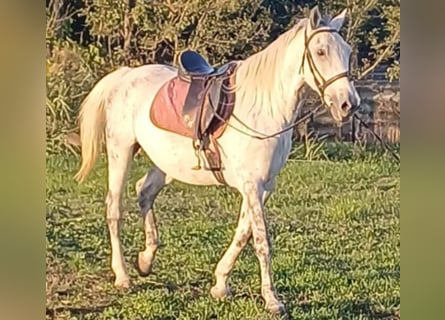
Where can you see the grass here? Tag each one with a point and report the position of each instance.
(335, 234)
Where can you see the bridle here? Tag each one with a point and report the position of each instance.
(319, 80)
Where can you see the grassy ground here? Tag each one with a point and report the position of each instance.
(335, 231)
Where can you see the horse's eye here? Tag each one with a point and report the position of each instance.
(320, 52)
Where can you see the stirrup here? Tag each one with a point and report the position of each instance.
(196, 146)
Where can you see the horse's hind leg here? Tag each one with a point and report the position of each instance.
(155, 180)
(119, 158)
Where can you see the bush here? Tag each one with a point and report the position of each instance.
(71, 71)
(88, 38)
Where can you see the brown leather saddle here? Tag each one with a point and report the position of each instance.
(197, 104)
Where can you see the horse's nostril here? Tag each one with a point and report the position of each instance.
(345, 107)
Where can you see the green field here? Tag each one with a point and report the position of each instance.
(335, 236)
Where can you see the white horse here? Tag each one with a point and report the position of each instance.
(269, 85)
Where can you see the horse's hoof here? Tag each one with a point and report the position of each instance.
(123, 283)
(143, 269)
(276, 308)
(220, 293)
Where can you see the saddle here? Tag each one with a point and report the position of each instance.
(197, 104)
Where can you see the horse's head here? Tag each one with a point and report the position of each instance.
(325, 64)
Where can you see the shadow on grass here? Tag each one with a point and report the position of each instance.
(347, 309)
(301, 298)
(85, 311)
(75, 311)
(152, 285)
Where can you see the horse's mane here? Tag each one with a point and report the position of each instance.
(262, 72)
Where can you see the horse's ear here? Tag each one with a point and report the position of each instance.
(315, 17)
(338, 21)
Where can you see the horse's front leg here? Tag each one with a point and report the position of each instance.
(261, 243)
(225, 265)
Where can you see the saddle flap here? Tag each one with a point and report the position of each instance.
(213, 101)
(196, 95)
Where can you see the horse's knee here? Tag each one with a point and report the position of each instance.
(252, 191)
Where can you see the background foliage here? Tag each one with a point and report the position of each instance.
(88, 38)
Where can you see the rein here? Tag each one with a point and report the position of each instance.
(305, 117)
(385, 146)
(264, 136)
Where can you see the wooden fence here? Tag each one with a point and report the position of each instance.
(380, 110)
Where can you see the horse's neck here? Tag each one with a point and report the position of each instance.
(269, 98)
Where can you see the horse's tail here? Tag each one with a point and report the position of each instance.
(92, 121)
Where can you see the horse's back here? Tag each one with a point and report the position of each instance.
(136, 88)
(146, 77)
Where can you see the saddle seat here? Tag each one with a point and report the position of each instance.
(194, 64)
(197, 104)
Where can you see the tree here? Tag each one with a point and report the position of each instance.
(373, 28)
(88, 38)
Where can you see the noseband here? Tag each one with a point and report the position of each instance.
(320, 81)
